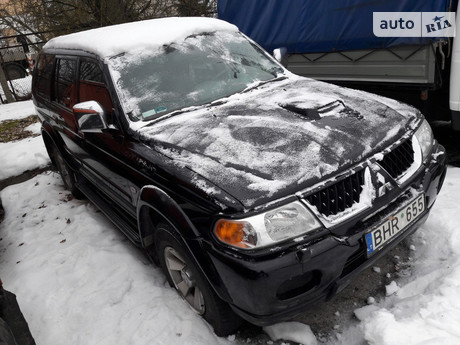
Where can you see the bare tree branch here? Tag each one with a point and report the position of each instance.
(66, 16)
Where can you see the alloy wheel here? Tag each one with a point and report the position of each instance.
(183, 280)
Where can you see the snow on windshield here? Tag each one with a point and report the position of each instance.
(198, 70)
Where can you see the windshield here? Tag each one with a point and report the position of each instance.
(199, 70)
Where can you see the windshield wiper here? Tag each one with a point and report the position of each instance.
(282, 77)
(152, 118)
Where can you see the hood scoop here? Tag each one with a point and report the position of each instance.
(308, 113)
(336, 108)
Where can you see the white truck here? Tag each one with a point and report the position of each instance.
(17, 55)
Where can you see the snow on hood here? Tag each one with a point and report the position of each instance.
(281, 137)
(143, 35)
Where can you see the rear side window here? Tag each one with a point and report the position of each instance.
(90, 71)
(65, 91)
(44, 71)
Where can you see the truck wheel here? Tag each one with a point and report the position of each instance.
(66, 174)
(192, 286)
(14, 71)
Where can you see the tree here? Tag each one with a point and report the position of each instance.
(57, 17)
(206, 8)
(51, 18)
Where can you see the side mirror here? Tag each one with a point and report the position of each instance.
(280, 54)
(90, 116)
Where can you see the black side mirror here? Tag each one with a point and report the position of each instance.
(90, 116)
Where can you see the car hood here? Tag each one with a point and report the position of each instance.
(280, 137)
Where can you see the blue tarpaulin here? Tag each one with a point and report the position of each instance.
(320, 25)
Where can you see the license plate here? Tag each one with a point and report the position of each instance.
(394, 225)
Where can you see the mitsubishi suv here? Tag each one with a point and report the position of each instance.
(257, 191)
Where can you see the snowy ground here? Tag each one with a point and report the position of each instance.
(79, 281)
(423, 308)
(20, 156)
(21, 88)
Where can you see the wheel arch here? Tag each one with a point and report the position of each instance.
(49, 141)
(156, 206)
(53, 141)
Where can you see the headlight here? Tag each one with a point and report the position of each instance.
(425, 139)
(267, 228)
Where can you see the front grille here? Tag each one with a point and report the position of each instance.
(399, 160)
(339, 196)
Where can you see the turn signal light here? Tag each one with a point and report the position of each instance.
(234, 233)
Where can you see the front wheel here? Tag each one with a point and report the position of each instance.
(190, 283)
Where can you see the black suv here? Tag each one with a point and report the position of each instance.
(257, 191)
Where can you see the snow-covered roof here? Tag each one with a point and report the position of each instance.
(112, 40)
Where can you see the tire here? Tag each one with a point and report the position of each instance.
(66, 173)
(15, 71)
(192, 286)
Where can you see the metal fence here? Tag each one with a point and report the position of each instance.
(17, 57)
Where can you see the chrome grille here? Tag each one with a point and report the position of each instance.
(399, 160)
(338, 197)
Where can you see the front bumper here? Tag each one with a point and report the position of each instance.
(283, 283)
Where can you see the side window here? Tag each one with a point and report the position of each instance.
(90, 71)
(44, 71)
(92, 85)
(65, 91)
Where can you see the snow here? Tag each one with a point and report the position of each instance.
(77, 278)
(137, 36)
(294, 331)
(364, 312)
(34, 128)
(21, 87)
(370, 300)
(28, 154)
(17, 110)
(425, 308)
(20, 156)
(391, 288)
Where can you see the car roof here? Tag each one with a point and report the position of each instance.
(116, 39)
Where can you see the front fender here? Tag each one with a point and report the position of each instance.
(154, 198)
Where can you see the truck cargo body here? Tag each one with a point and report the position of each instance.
(334, 41)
